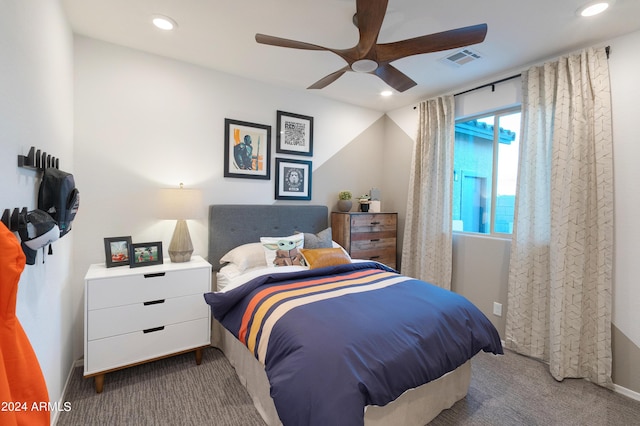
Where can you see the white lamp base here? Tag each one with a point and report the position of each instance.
(180, 248)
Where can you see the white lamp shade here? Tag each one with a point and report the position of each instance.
(180, 204)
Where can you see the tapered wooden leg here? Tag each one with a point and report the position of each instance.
(198, 356)
(99, 382)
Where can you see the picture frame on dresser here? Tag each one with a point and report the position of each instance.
(294, 134)
(145, 254)
(116, 251)
(247, 150)
(293, 179)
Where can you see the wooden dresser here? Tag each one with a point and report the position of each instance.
(367, 235)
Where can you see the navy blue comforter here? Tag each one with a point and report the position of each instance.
(336, 339)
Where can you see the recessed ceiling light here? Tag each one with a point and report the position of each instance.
(386, 93)
(594, 8)
(163, 22)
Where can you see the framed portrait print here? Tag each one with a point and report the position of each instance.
(116, 251)
(247, 150)
(293, 179)
(295, 134)
(145, 254)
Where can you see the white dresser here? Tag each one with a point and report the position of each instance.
(137, 315)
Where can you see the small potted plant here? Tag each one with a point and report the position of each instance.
(344, 201)
(364, 201)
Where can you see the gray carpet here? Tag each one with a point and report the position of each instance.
(505, 390)
(171, 391)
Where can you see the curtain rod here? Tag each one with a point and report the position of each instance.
(607, 49)
(492, 84)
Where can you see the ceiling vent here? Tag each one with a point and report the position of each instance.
(462, 57)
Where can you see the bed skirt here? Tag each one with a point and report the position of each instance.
(415, 407)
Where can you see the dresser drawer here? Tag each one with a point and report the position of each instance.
(131, 348)
(139, 288)
(373, 244)
(378, 222)
(109, 322)
(386, 256)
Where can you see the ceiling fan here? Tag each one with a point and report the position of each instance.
(372, 58)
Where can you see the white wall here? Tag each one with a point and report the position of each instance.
(144, 122)
(36, 109)
(625, 93)
(624, 67)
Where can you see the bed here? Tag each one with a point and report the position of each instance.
(265, 329)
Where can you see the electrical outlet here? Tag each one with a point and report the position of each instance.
(497, 309)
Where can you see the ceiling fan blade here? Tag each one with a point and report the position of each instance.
(369, 15)
(394, 77)
(327, 80)
(283, 42)
(445, 40)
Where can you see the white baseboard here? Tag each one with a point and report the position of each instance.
(55, 413)
(626, 392)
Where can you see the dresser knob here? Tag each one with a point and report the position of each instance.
(153, 302)
(152, 330)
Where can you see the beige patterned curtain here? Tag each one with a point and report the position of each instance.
(560, 278)
(426, 251)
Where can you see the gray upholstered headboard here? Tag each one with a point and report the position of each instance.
(231, 225)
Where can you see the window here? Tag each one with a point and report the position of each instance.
(480, 143)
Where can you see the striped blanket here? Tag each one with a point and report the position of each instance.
(336, 339)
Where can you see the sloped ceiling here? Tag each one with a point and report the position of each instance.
(221, 35)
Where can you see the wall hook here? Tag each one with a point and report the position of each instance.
(12, 218)
(35, 160)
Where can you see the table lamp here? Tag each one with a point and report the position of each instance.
(181, 204)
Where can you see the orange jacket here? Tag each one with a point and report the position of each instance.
(23, 392)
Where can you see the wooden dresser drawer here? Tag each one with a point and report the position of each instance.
(109, 322)
(374, 222)
(131, 348)
(375, 244)
(139, 288)
(387, 257)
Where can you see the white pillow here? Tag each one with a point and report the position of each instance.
(246, 256)
(226, 274)
(283, 251)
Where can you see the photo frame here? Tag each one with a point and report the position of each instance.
(145, 254)
(247, 150)
(293, 179)
(116, 251)
(294, 134)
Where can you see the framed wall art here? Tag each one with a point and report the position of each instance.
(295, 134)
(293, 179)
(116, 251)
(145, 254)
(247, 150)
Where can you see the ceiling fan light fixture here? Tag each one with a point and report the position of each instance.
(364, 65)
(163, 22)
(594, 8)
